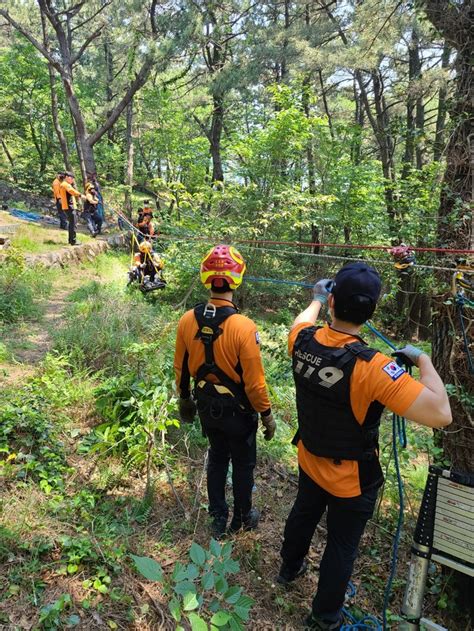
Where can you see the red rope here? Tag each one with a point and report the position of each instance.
(349, 245)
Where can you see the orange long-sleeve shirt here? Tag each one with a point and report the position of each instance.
(68, 195)
(238, 344)
(56, 188)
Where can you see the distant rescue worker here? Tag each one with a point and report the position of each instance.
(93, 182)
(219, 348)
(145, 224)
(69, 205)
(56, 187)
(91, 213)
(342, 387)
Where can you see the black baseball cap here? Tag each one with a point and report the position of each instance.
(355, 285)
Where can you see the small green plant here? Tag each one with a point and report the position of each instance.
(199, 591)
(52, 615)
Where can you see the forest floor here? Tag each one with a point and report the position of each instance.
(64, 551)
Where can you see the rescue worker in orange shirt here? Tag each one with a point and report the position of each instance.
(69, 205)
(56, 188)
(219, 348)
(342, 387)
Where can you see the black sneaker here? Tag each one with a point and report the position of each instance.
(314, 622)
(286, 576)
(75, 243)
(218, 527)
(249, 523)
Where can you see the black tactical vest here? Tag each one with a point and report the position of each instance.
(216, 400)
(326, 423)
(89, 208)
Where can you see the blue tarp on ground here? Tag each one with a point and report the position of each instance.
(31, 216)
(23, 214)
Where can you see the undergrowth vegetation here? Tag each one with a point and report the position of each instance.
(21, 289)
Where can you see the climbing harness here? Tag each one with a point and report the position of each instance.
(214, 398)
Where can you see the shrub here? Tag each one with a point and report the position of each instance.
(30, 424)
(133, 412)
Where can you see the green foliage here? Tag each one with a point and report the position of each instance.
(133, 412)
(21, 289)
(30, 427)
(200, 591)
(25, 121)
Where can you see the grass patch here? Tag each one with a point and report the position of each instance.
(103, 325)
(21, 289)
(37, 239)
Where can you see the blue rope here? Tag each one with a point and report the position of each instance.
(380, 336)
(396, 420)
(278, 281)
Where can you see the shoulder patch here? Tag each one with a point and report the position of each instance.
(393, 370)
(257, 337)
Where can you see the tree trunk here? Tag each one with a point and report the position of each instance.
(414, 72)
(129, 164)
(356, 147)
(54, 102)
(442, 108)
(215, 136)
(284, 61)
(80, 155)
(109, 94)
(380, 127)
(309, 146)
(325, 103)
(450, 360)
(9, 158)
(386, 150)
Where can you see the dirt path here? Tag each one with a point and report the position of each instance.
(32, 340)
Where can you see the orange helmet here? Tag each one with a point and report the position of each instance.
(222, 263)
(145, 246)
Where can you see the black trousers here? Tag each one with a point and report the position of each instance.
(71, 226)
(62, 215)
(346, 520)
(240, 447)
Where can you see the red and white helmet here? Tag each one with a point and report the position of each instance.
(222, 263)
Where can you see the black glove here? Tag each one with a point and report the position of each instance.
(187, 410)
(269, 425)
(409, 355)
